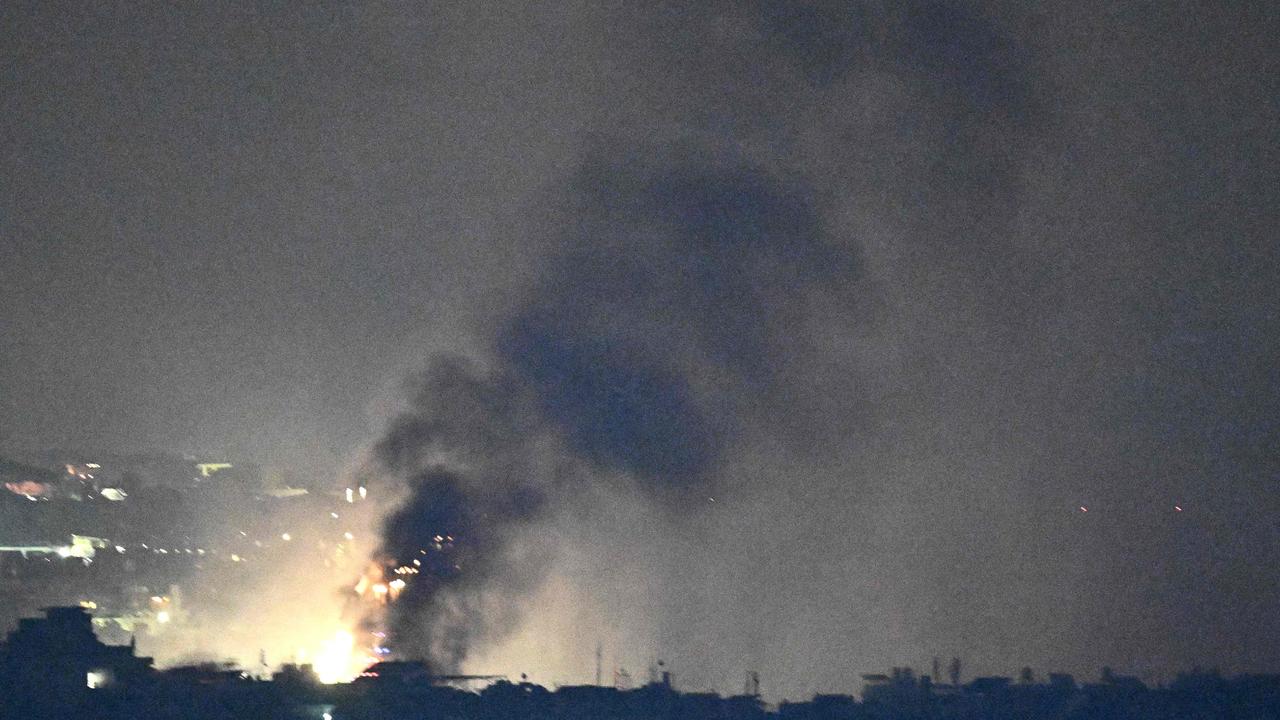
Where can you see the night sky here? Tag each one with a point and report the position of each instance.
(818, 327)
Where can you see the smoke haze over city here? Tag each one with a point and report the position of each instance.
(805, 339)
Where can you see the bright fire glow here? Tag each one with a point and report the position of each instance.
(338, 660)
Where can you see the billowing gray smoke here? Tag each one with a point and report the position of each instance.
(578, 397)
(811, 326)
(465, 452)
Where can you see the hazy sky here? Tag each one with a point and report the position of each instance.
(901, 285)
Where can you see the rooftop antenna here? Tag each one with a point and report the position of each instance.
(751, 687)
(599, 661)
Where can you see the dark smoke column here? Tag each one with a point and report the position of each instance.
(671, 276)
(467, 453)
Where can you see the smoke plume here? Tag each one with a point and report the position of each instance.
(576, 399)
(811, 329)
(466, 452)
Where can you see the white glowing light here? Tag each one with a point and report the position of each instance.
(333, 663)
(286, 537)
(162, 617)
(364, 492)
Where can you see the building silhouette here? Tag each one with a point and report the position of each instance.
(59, 654)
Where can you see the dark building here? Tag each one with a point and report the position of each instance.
(59, 655)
